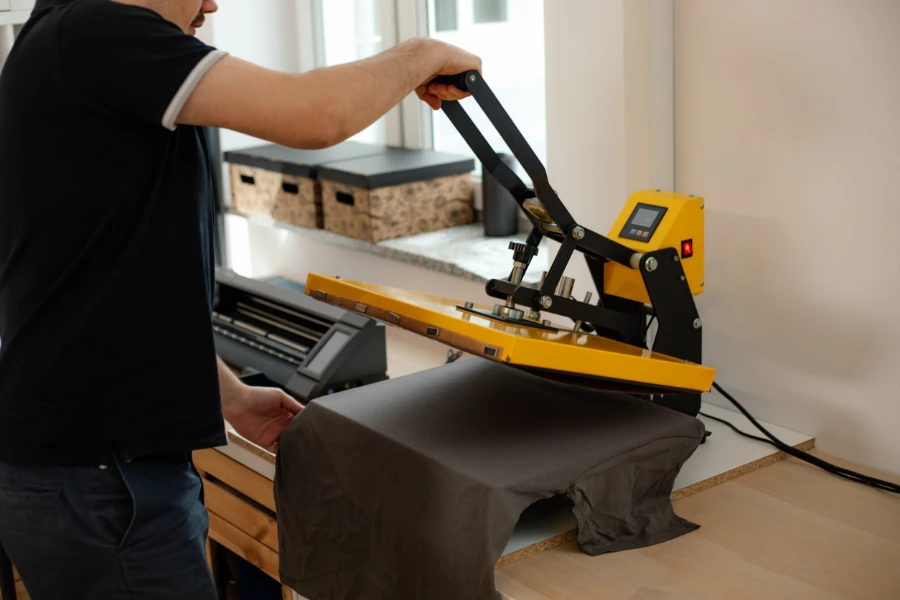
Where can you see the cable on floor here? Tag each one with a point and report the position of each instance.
(848, 474)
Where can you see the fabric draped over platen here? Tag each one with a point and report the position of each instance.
(410, 488)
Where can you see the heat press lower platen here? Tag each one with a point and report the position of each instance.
(581, 359)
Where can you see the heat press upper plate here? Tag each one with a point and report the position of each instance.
(576, 358)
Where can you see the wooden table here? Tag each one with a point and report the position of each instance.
(785, 530)
(788, 530)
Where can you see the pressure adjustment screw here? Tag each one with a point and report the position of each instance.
(651, 264)
(546, 301)
(697, 324)
(472, 78)
(578, 232)
(522, 253)
(675, 258)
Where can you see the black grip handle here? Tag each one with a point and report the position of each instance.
(459, 80)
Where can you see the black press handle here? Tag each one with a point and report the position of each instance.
(460, 80)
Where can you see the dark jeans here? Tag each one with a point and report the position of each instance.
(134, 530)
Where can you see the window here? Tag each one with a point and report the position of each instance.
(508, 35)
(489, 11)
(509, 38)
(445, 13)
(351, 30)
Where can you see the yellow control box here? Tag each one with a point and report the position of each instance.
(652, 220)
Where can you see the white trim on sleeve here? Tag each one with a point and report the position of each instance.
(187, 88)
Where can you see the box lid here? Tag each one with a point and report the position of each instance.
(301, 163)
(395, 166)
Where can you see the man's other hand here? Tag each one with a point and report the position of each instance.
(260, 414)
(455, 61)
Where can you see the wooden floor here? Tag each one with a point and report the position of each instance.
(786, 531)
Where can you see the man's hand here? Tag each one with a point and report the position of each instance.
(455, 61)
(258, 414)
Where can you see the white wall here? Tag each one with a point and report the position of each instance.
(787, 120)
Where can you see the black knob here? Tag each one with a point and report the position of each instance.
(522, 252)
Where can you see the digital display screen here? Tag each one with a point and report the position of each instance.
(642, 223)
(644, 217)
(325, 355)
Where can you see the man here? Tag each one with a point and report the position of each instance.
(108, 373)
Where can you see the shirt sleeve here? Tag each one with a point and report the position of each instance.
(130, 62)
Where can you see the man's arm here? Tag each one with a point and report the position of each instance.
(324, 106)
(259, 414)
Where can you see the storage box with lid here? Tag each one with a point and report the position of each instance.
(396, 193)
(280, 183)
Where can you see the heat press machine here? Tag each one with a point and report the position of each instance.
(649, 266)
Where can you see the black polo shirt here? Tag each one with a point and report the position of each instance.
(106, 221)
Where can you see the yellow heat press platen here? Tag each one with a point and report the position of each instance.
(577, 358)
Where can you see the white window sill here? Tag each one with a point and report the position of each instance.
(462, 251)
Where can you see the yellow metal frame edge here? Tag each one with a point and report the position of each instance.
(620, 362)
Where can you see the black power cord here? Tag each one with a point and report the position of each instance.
(453, 356)
(647, 327)
(736, 430)
(880, 484)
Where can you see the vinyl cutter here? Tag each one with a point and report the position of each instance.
(648, 267)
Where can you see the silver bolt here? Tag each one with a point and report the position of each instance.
(682, 277)
(578, 232)
(472, 78)
(469, 304)
(697, 324)
(546, 301)
(337, 276)
(546, 323)
(651, 264)
(587, 297)
(701, 207)
(675, 258)
(702, 283)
